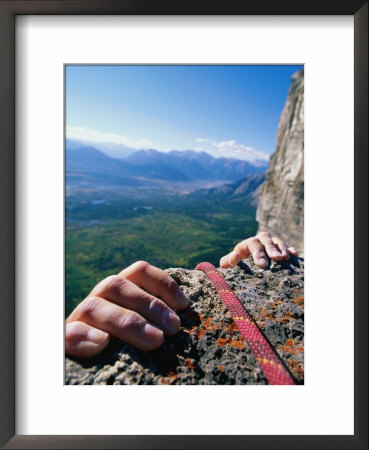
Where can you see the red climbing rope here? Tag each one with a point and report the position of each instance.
(272, 366)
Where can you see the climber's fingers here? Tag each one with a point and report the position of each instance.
(127, 325)
(123, 292)
(157, 282)
(243, 250)
(84, 341)
(251, 246)
(126, 306)
(257, 250)
(271, 250)
(260, 247)
(293, 251)
(282, 247)
(229, 260)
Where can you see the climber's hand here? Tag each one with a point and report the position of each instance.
(126, 306)
(259, 246)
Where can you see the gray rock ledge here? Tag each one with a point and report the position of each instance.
(209, 349)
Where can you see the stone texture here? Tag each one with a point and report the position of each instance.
(281, 197)
(209, 348)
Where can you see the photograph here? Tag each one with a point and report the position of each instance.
(184, 224)
(161, 224)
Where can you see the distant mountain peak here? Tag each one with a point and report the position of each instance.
(173, 166)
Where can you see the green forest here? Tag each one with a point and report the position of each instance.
(107, 230)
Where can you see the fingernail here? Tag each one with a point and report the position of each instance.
(152, 333)
(171, 321)
(181, 298)
(262, 261)
(97, 336)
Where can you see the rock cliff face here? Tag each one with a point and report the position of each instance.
(209, 349)
(281, 198)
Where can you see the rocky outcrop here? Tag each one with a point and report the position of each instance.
(281, 198)
(209, 349)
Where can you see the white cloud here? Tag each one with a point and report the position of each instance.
(233, 149)
(201, 140)
(87, 135)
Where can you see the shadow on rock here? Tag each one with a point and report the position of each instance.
(242, 265)
(166, 359)
(274, 266)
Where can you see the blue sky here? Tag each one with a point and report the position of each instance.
(230, 111)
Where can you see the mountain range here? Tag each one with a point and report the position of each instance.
(87, 165)
(243, 190)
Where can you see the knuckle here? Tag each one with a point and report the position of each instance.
(253, 240)
(156, 305)
(270, 247)
(237, 248)
(240, 247)
(114, 285)
(279, 242)
(140, 266)
(88, 307)
(130, 322)
(263, 235)
(171, 284)
(259, 254)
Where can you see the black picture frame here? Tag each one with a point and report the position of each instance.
(8, 11)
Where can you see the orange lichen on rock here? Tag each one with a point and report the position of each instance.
(235, 343)
(296, 368)
(264, 313)
(286, 318)
(199, 333)
(190, 363)
(169, 379)
(299, 301)
(291, 350)
(289, 347)
(232, 328)
(206, 325)
(260, 323)
(222, 342)
(172, 377)
(221, 368)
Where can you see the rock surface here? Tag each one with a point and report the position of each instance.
(209, 349)
(281, 198)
